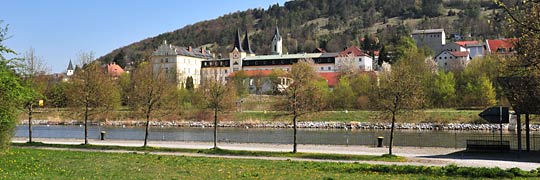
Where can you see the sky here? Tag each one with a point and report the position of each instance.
(58, 30)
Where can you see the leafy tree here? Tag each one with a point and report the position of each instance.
(275, 79)
(302, 96)
(239, 82)
(153, 94)
(361, 83)
(14, 94)
(383, 56)
(218, 97)
(344, 97)
(401, 89)
(444, 91)
(56, 95)
(431, 8)
(91, 91)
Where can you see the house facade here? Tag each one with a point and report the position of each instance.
(433, 39)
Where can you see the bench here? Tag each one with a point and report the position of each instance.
(487, 145)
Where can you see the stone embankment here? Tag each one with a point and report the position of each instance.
(314, 125)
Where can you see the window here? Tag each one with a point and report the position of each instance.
(166, 60)
(329, 68)
(322, 68)
(226, 71)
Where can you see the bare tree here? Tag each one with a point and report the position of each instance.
(303, 96)
(401, 89)
(152, 93)
(219, 97)
(91, 91)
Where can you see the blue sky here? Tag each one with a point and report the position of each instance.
(59, 29)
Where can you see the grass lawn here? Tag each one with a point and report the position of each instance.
(21, 163)
(225, 152)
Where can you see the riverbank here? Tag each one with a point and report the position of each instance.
(313, 125)
(415, 156)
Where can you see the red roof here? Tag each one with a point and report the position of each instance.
(459, 53)
(331, 77)
(114, 70)
(351, 50)
(501, 45)
(252, 73)
(465, 43)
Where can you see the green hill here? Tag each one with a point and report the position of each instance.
(329, 24)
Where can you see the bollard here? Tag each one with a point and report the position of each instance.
(103, 135)
(379, 141)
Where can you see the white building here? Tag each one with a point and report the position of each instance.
(353, 59)
(185, 62)
(452, 60)
(475, 48)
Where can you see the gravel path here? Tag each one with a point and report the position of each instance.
(416, 156)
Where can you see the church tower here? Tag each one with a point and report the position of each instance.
(246, 45)
(70, 69)
(277, 43)
(237, 53)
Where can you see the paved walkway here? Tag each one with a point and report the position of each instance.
(416, 156)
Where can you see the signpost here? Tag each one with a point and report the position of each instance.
(496, 115)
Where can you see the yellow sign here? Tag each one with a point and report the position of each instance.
(40, 103)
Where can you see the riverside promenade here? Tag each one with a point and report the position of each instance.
(427, 156)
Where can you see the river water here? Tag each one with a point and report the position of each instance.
(417, 138)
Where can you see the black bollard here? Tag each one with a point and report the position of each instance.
(379, 141)
(103, 135)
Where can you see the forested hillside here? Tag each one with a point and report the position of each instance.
(329, 24)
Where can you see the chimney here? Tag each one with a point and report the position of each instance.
(190, 49)
(203, 51)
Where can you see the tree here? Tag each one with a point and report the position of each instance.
(13, 94)
(275, 79)
(153, 93)
(90, 91)
(444, 91)
(33, 67)
(383, 56)
(401, 89)
(302, 96)
(189, 83)
(218, 97)
(344, 97)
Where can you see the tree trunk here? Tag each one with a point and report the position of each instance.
(86, 124)
(30, 123)
(294, 130)
(392, 133)
(215, 128)
(147, 128)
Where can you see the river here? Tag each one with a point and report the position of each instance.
(416, 138)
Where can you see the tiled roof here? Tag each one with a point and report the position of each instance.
(331, 77)
(465, 43)
(114, 70)
(351, 50)
(253, 73)
(501, 45)
(459, 53)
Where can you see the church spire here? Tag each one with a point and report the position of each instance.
(277, 43)
(237, 41)
(246, 45)
(276, 33)
(70, 65)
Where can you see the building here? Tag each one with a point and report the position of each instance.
(202, 65)
(475, 48)
(452, 60)
(353, 59)
(70, 69)
(185, 62)
(433, 39)
(501, 46)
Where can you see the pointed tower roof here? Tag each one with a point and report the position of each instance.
(237, 42)
(276, 33)
(246, 45)
(70, 66)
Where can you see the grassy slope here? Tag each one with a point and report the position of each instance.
(51, 164)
